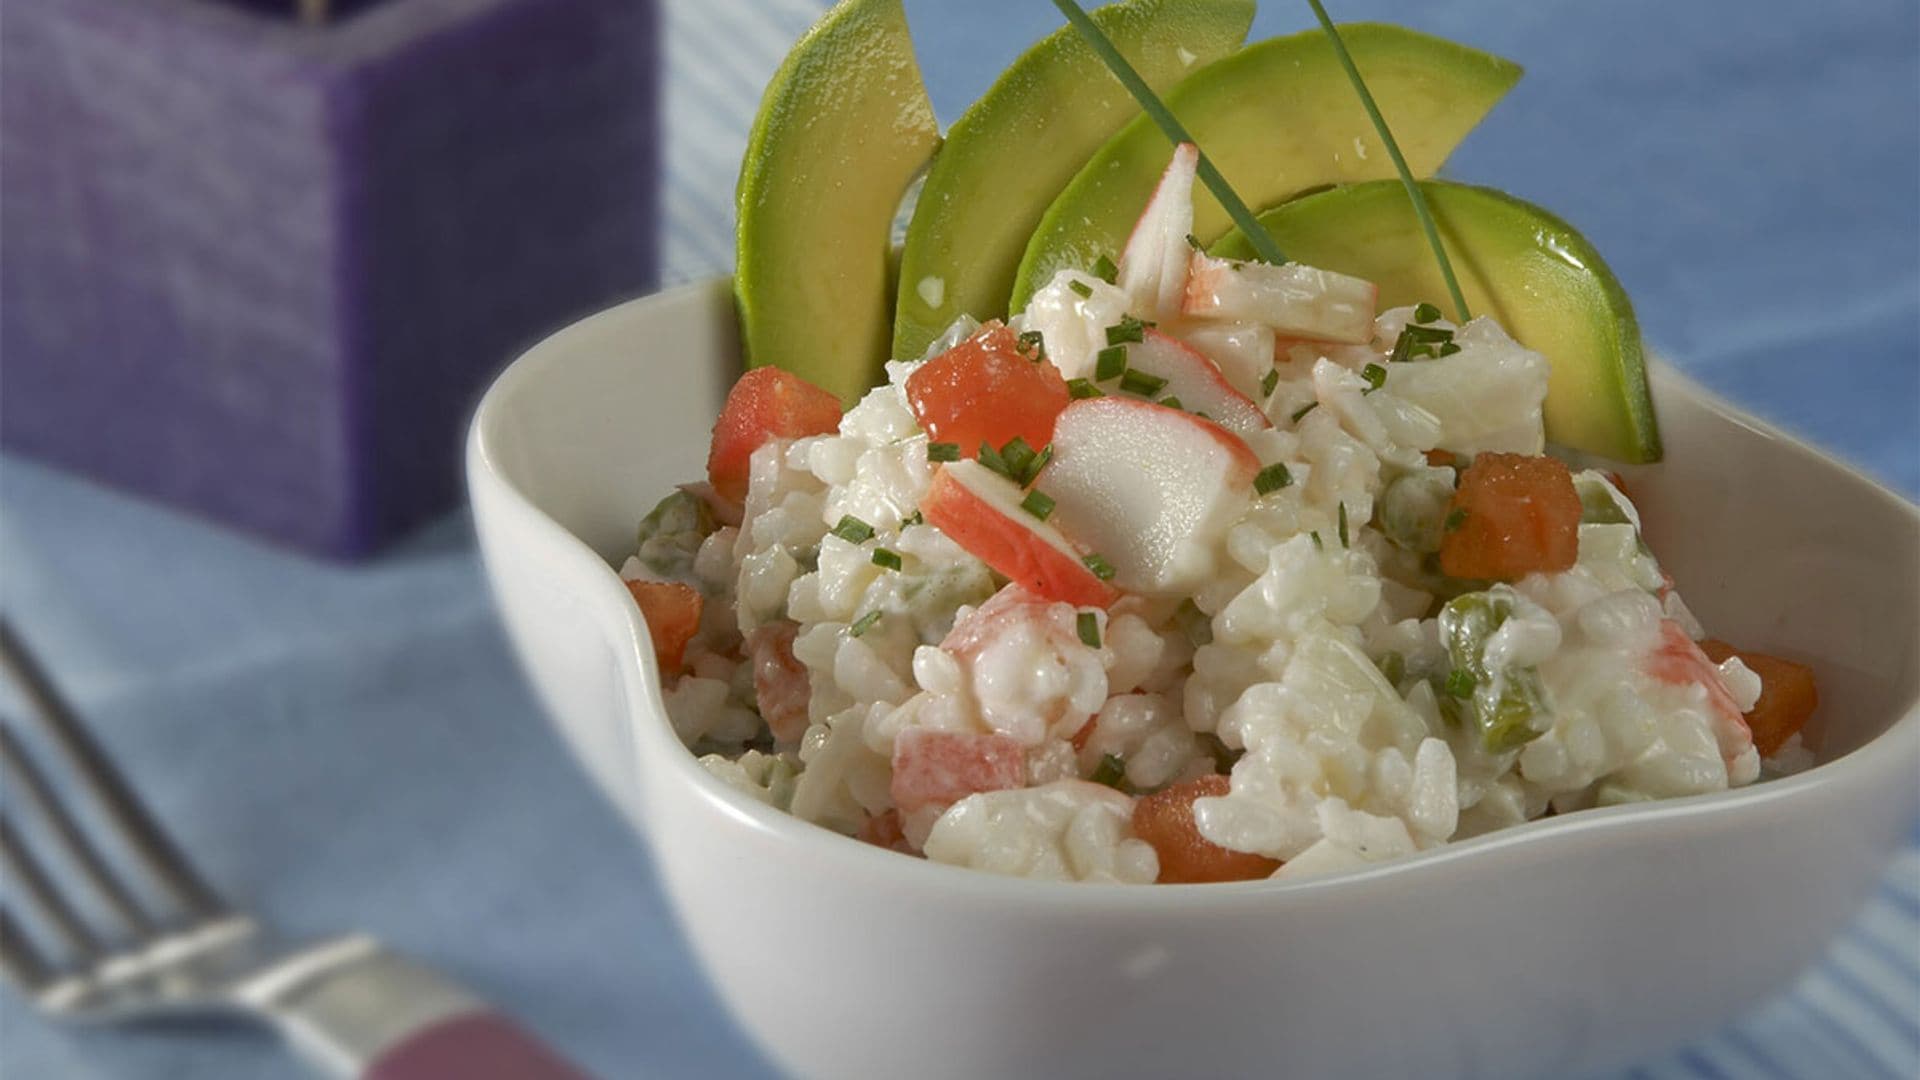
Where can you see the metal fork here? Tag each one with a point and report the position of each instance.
(350, 1006)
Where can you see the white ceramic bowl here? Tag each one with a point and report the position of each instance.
(1550, 949)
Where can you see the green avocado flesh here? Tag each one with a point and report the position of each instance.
(1532, 272)
(844, 127)
(1277, 118)
(1015, 148)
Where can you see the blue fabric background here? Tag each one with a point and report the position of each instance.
(353, 747)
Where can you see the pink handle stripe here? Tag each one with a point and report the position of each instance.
(480, 1045)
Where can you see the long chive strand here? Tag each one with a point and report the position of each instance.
(1150, 103)
(1419, 197)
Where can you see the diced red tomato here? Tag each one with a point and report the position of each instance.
(939, 768)
(984, 390)
(1165, 820)
(780, 682)
(766, 403)
(1511, 516)
(884, 830)
(1788, 695)
(672, 612)
(1085, 735)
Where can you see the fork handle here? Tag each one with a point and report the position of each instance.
(479, 1045)
(357, 1010)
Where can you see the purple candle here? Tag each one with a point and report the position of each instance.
(261, 269)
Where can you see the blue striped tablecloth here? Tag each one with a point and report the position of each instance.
(352, 747)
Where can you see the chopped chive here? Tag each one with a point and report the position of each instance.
(1318, 544)
(887, 558)
(1018, 456)
(1089, 626)
(1101, 568)
(1202, 414)
(1112, 771)
(1304, 410)
(1038, 504)
(1015, 460)
(864, 623)
(853, 530)
(1085, 290)
(1456, 518)
(1127, 329)
(1425, 312)
(1343, 526)
(1139, 382)
(1194, 242)
(943, 451)
(1104, 269)
(1034, 344)
(1422, 341)
(915, 518)
(1079, 389)
(1460, 683)
(1172, 402)
(1268, 381)
(1039, 462)
(1420, 208)
(1170, 126)
(1110, 363)
(991, 458)
(1272, 478)
(1376, 377)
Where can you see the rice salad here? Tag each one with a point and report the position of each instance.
(1195, 570)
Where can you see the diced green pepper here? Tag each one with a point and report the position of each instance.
(1597, 504)
(1393, 667)
(1611, 793)
(671, 533)
(782, 778)
(1413, 509)
(1195, 624)
(1503, 705)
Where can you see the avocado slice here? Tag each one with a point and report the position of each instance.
(1535, 274)
(844, 126)
(1277, 118)
(1015, 148)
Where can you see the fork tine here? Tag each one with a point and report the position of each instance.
(27, 778)
(44, 896)
(20, 962)
(96, 773)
